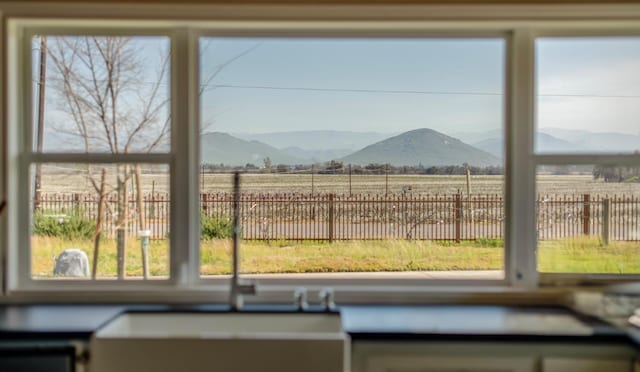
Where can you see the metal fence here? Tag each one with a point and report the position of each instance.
(329, 217)
(155, 205)
(362, 217)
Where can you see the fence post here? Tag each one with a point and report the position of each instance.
(121, 241)
(331, 218)
(586, 214)
(606, 219)
(204, 203)
(386, 180)
(38, 199)
(77, 199)
(458, 215)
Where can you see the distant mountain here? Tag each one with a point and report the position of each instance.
(317, 156)
(586, 141)
(217, 147)
(493, 146)
(565, 133)
(543, 143)
(316, 139)
(475, 137)
(422, 146)
(547, 143)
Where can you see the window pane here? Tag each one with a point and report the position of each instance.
(588, 95)
(355, 155)
(68, 212)
(588, 219)
(101, 94)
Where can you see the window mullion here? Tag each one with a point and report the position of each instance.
(521, 232)
(19, 259)
(99, 158)
(192, 72)
(184, 213)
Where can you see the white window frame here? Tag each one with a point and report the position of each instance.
(21, 134)
(329, 30)
(550, 158)
(519, 25)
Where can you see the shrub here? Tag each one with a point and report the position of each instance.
(70, 227)
(212, 227)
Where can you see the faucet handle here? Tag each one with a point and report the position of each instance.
(326, 296)
(247, 287)
(300, 299)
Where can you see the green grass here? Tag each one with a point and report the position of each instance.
(569, 256)
(285, 257)
(350, 256)
(46, 249)
(588, 255)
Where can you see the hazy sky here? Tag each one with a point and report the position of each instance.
(450, 85)
(349, 84)
(597, 80)
(390, 85)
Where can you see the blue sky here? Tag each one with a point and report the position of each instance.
(394, 85)
(363, 85)
(450, 85)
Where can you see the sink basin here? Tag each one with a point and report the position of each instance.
(221, 342)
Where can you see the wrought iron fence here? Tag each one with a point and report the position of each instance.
(329, 217)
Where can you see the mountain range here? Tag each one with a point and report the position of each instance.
(312, 140)
(544, 143)
(422, 146)
(222, 148)
(586, 141)
(558, 140)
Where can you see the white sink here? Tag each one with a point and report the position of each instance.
(221, 342)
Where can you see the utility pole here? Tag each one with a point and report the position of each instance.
(40, 132)
(202, 178)
(312, 172)
(468, 183)
(386, 179)
(349, 179)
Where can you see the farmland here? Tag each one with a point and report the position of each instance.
(76, 182)
(282, 206)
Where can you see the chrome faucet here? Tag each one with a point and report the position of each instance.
(326, 297)
(300, 299)
(238, 287)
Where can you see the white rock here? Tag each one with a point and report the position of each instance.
(72, 262)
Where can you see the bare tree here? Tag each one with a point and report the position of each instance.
(108, 104)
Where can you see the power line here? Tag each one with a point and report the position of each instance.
(350, 90)
(389, 91)
(423, 92)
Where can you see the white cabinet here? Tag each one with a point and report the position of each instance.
(449, 364)
(490, 357)
(585, 364)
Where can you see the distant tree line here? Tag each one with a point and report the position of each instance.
(339, 167)
(617, 173)
(611, 173)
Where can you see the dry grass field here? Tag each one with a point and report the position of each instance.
(56, 180)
